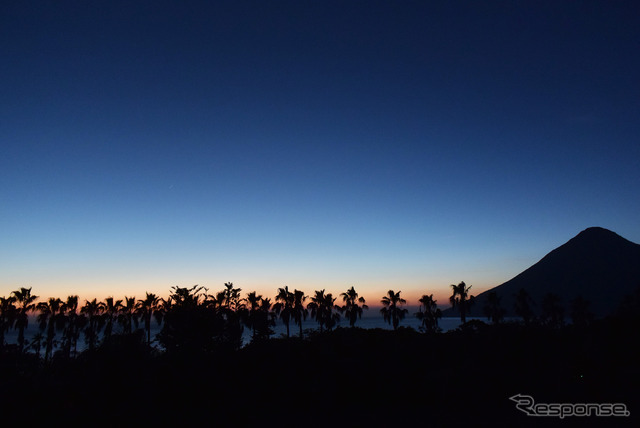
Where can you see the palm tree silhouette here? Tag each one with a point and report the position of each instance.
(284, 306)
(229, 298)
(166, 304)
(552, 312)
(392, 310)
(189, 321)
(112, 308)
(72, 325)
(460, 299)
(7, 316)
(253, 315)
(580, 314)
(429, 313)
(332, 313)
(259, 316)
(321, 306)
(299, 312)
(25, 304)
(492, 308)
(93, 310)
(146, 309)
(128, 315)
(186, 298)
(266, 319)
(36, 343)
(522, 305)
(50, 317)
(352, 308)
(231, 311)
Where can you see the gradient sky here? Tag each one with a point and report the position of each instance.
(314, 144)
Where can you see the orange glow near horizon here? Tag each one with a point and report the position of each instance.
(372, 293)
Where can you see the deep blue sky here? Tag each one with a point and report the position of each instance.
(314, 144)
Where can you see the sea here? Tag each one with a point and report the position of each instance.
(280, 330)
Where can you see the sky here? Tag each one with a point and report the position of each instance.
(315, 144)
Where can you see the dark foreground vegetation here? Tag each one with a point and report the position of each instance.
(196, 370)
(335, 378)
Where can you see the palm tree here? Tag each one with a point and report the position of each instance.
(552, 312)
(128, 315)
(111, 310)
(260, 318)
(580, 314)
(7, 316)
(332, 318)
(228, 313)
(50, 318)
(147, 308)
(187, 298)
(36, 343)
(266, 320)
(229, 298)
(25, 304)
(522, 306)
(492, 308)
(166, 305)
(253, 314)
(93, 310)
(352, 308)
(216, 311)
(72, 324)
(299, 312)
(629, 307)
(318, 309)
(392, 310)
(429, 313)
(284, 306)
(460, 299)
(190, 322)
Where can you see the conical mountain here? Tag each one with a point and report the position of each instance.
(597, 264)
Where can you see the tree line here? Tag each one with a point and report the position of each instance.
(193, 319)
(190, 317)
(551, 313)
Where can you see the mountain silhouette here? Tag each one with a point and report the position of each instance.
(597, 264)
